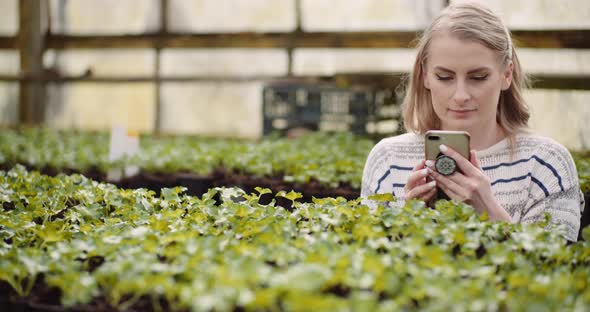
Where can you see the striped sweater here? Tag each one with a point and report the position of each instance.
(540, 177)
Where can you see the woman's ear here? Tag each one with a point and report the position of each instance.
(507, 79)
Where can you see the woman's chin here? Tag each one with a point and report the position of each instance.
(460, 125)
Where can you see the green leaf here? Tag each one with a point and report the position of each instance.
(292, 195)
(302, 277)
(263, 191)
(52, 232)
(586, 234)
(76, 287)
(385, 197)
(93, 240)
(172, 194)
(484, 216)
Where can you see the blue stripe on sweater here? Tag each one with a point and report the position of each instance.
(542, 186)
(392, 167)
(541, 161)
(535, 180)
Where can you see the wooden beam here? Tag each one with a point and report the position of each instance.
(134, 79)
(544, 39)
(30, 42)
(8, 43)
(539, 81)
(237, 40)
(552, 39)
(187, 79)
(572, 39)
(561, 82)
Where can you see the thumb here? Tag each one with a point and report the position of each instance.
(420, 165)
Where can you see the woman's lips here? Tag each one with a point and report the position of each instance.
(461, 112)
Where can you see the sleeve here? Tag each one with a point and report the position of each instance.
(368, 181)
(556, 190)
(376, 167)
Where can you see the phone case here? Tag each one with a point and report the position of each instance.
(457, 140)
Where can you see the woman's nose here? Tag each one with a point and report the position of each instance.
(461, 94)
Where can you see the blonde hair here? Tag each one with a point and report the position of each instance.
(474, 22)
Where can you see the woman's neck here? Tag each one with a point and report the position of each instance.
(481, 140)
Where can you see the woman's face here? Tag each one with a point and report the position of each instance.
(465, 79)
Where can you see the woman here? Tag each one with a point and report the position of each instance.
(467, 77)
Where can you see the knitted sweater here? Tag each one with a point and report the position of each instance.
(540, 177)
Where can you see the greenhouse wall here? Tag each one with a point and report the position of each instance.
(234, 107)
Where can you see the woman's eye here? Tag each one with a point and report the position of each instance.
(480, 78)
(439, 77)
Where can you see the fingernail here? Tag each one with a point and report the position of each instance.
(443, 148)
(429, 170)
(429, 163)
(432, 183)
(424, 172)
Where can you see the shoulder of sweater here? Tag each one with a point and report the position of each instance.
(541, 145)
(408, 143)
(551, 154)
(402, 140)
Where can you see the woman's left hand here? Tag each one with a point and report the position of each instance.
(470, 185)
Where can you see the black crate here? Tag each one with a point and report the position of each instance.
(328, 107)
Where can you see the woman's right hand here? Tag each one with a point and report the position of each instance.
(417, 186)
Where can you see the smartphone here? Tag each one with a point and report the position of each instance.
(457, 140)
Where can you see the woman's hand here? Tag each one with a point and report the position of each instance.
(417, 187)
(470, 185)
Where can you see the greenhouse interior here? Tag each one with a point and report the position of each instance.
(272, 155)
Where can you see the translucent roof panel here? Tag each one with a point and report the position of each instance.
(225, 62)
(562, 115)
(541, 14)
(333, 61)
(9, 20)
(82, 17)
(9, 62)
(200, 16)
(213, 108)
(555, 61)
(101, 105)
(111, 62)
(368, 15)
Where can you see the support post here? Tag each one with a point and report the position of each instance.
(31, 48)
(157, 65)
